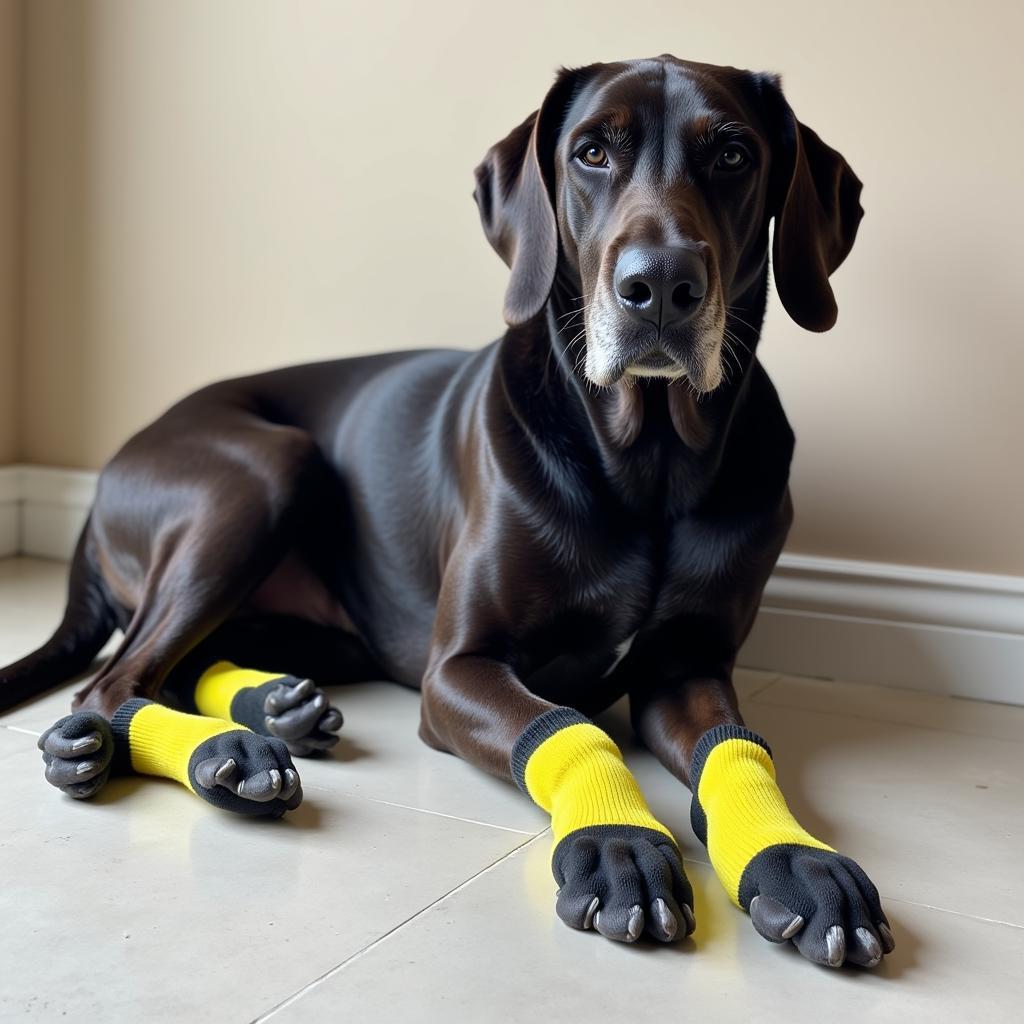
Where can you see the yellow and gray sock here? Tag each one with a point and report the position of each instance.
(230, 767)
(793, 885)
(618, 868)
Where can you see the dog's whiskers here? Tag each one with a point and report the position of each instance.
(573, 312)
(567, 350)
(731, 310)
(572, 322)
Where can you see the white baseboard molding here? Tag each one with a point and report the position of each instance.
(47, 508)
(936, 630)
(943, 631)
(10, 510)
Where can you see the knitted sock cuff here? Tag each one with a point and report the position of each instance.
(707, 743)
(120, 724)
(711, 739)
(542, 728)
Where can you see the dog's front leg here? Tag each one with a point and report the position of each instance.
(794, 886)
(618, 868)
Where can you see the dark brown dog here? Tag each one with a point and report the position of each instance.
(588, 507)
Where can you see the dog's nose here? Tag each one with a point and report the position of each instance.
(661, 286)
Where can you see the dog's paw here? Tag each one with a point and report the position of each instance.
(820, 901)
(77, 751)
(624, 881)
(298, 712)
(247, 773)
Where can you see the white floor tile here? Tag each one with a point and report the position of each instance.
(381, 756)
(32, 594)
(496, 951)
(934, 817)
(148, 904)
(930, 711)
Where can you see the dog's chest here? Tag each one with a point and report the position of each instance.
(695, 570)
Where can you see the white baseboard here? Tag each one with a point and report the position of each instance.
(10, 510)
(45, 509)
(937, 630)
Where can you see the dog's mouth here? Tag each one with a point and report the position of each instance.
(655, 364)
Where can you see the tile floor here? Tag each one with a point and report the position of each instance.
(410, 887)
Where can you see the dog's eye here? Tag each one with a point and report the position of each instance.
(593, 156)
(732, 158)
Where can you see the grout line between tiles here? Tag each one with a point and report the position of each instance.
(453, 817)
(295, 996)
(421, 810)
(18, 728)
(750, 695)
(954, 913)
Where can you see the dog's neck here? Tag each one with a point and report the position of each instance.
(649, 434)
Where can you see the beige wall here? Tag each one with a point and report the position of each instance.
(215, 188)
(11, 47)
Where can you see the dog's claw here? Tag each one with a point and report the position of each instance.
(888, 942)
(285, 697)
(87, 744)
(262, 787)
(665, 919)
(835, 943)
(865, 948)
(691, 921)
(290, 784)
(635, 925)
(773, 920)
(588, 920)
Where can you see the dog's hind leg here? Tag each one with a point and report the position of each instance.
(284, 698)
(213, 542)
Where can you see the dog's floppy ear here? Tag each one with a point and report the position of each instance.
(815, 199)
(514, 195)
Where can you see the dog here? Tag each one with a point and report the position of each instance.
(585, 509)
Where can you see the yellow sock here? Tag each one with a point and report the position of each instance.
(576, 773)
(738, 810)
(226, 764)
(221, 683)
(617, 867)
(161, 741)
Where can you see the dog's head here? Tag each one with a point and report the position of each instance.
(652, 183)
